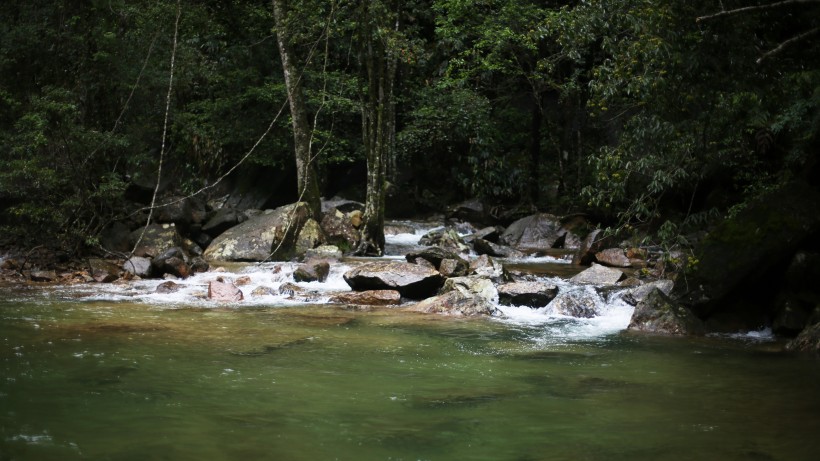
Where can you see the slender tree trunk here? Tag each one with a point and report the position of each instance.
(378, 68)
(306, 179)
(535, 149)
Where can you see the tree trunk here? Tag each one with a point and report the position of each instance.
(306, 180)
(535, 149)
(378, 69)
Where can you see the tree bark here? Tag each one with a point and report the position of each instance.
(378, 75)
(306, 179)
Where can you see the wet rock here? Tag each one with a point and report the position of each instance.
(471, 210)
(103, 271)
(172, 261)
(576, 303)
(168, 287)
(485, 266)
(199, 265)
(271, 235)
(290, 289)
(139, 266)
(224, 291)
(369, 298)
(445, 238)
(411, 280)
(242, 281)
(490, 234)
(312, 271)
(532, 294)
(536, 232)
(327, 252)
(456, 303)
(613, 257)
(593, 243)
(453, 267)
(485, 247)
(472, 286)
(598, 275)
(435, 255)
(635, 295)
(43, 276)
(575, 227)
(660, 314)
(263, 291)
(807, 341)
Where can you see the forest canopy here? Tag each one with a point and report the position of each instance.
(660, 115)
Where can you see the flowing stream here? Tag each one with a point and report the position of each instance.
(118, 372)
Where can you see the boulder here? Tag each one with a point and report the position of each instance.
(748, 248)
(456, 303)
(138, 265)
(411, 280)
(575, 228)
(270, 235)
(312, 271)
(807, 341)
(598, 275)
(536, 232)
(445, 238)
(156, 239)
(490, 234)
(660, 314)
(576, 303)
(172, 261)
(471, 210)
(485, 266)
(310, 237)
(453, 267)
(635, 295)
(613, 257)
(368, 298)
(199, 265)
(472, 286)
(593, 243)
(180, 210)
(532, 294)
(103, 271)
(485, 247)
(222, 220)
(435, 255)
(327, 252)
(339, 229)
(224, 291)
(262, 290)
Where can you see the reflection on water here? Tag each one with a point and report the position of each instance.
(119, 380)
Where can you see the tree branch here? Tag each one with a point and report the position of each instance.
(786, 43)
(747, 9)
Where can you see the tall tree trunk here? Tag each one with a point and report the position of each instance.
(535, 149)
(378, 69)
(306, 179)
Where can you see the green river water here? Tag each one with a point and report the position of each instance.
(117, 380)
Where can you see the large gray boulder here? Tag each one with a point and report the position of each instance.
(411, 280)
(447, 238)
(536, 232)
(436, 256)
(339, 229)
(576, 303)
(742, 251)
(268, 236)
(472, 286)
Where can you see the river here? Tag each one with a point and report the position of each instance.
(115, 372)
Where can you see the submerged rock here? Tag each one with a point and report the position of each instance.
(369, 298)
(411, 280)
(168, 287)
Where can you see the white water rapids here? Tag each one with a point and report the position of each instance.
(612, 314)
